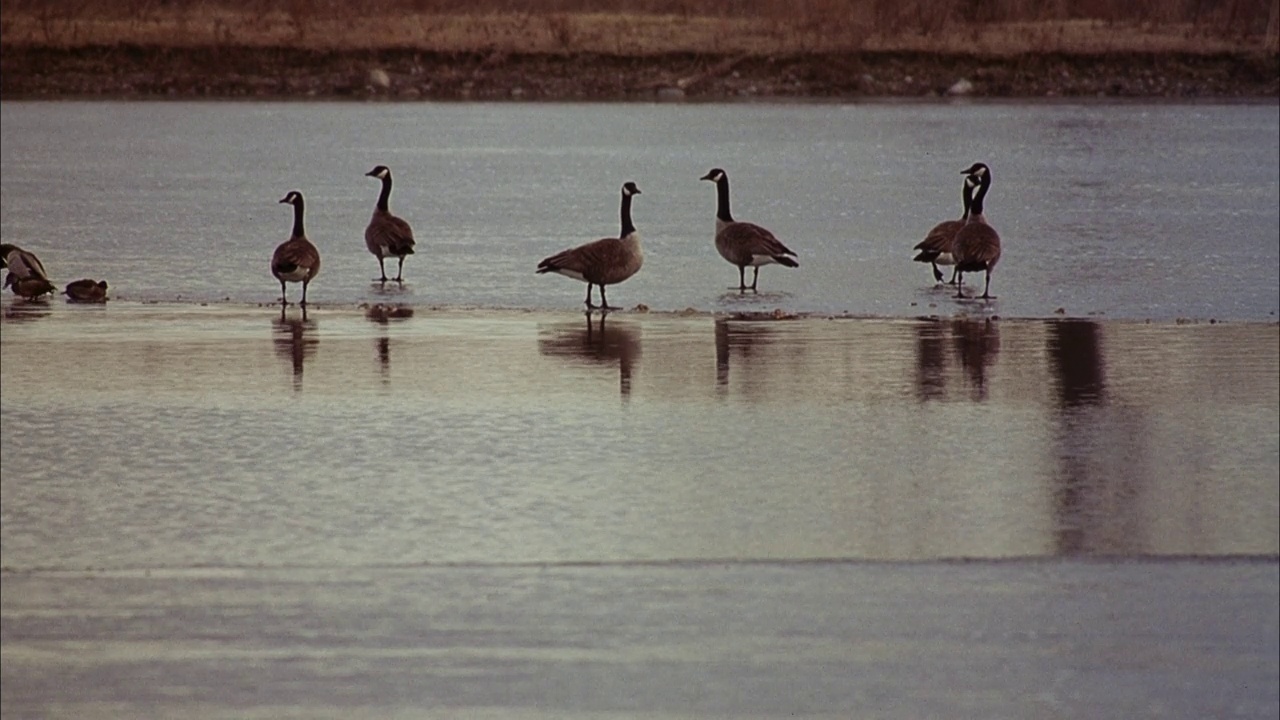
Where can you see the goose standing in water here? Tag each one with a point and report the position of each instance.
(26, 274)
(935, 249)
(607, 261)
(977, 245)
(387, 235)
(296, 259)
(743, 243)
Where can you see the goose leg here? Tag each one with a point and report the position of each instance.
(400, 271)
(588, 300)
(755, 277)
(382, 270)
(954, 273)
(959, 284)
(986, 289)
(303, 303)
(284, 296)
(937, 274)
(742, 278)
(604, 304)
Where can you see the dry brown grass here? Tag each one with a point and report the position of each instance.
(644, 27)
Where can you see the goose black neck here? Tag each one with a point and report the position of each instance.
(984, 184)
(298, 229)
(722, 200)
(968, 200)
(627, 226)
(385, 197)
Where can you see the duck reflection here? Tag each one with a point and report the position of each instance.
(291, 331)
(598, 343)
(931, 360)
(1090, 502)
(976, 344)
(386, 315)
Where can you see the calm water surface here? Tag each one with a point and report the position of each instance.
(480, 503)
(1128, 210)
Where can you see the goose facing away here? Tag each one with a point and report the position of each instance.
(935, 249)
(295, 259)
(977, 245)
(743, 243)
(26, 275)
(86, 291)
(607, 261)
(387, 235)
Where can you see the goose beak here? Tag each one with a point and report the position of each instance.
(370, 174)
(707, 177)
(284, 199)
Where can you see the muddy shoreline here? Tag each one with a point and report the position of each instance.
(138, 72)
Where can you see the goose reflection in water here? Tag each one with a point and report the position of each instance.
(291, 331)
(385, 315)
(24, 311)
(976, 344)
(1098, 487)
(931, 360)
(740, 343)
(602, 343)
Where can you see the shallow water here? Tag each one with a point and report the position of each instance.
(1132, 210)
(223, 512)
(473, 501)
(172, 436)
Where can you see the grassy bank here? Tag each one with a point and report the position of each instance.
(575, 48)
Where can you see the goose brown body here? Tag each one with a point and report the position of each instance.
(744, 244)
(387, 235)
(607, 261)
(86, 291)
(976, 246)
(935, 249)
(26, 277)
(296, 259)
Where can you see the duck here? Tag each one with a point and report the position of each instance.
(935, 249)
(387, 235)
(86, 291)
(976, 247)
(295, 259)
(745, 244)
(607, 261)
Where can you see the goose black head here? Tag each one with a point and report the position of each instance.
(629, 188)
(977, 170)
(293, 198)
(5, 249)
(715, 175)
(382, 172)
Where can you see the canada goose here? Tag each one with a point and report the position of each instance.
(977, 244)
(387, 235)
(295, 259)
(26, 273)
(29, 288)
(743, 243)
(607, 261)
(935, 249)
(86, 291)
